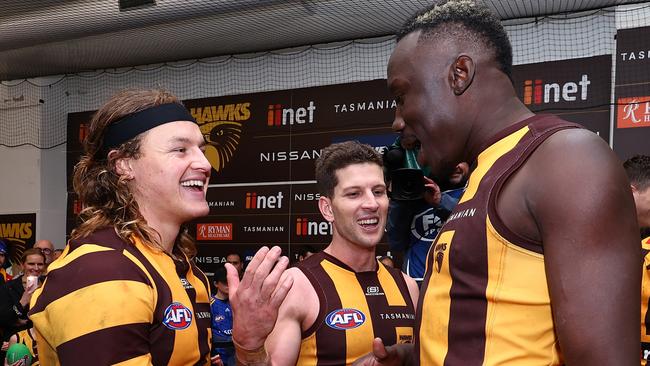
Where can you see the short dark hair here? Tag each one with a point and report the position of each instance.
(463, 19)
(339, 156)
(220, 275)
(637, 169)
(234, 253)
(303, 250)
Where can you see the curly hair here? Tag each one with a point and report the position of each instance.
(637, 169)
(463, 20)
(338, 156)
(104, 193)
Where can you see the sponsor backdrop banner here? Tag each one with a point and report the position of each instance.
(262, 148)
(18, 231)
(632, 92)
(578, 90)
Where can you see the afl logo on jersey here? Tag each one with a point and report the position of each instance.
(344, 319)
(177, 316)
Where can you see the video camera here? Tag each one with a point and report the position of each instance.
(404, 172)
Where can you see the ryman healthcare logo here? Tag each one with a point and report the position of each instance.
(214, 231)
(633, 112)
(177, 316)
(344, 319)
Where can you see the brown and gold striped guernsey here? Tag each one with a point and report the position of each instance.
(645, 302)
(25, 337)
(355, 307)
(108, 302)
(485, 299)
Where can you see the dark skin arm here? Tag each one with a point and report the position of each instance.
(578, 204)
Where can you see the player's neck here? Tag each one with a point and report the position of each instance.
(359, 258)
(167, 230)
(221, 296)
(505, 111)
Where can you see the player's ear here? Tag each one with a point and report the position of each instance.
(122, 166)
(461, 74)
(325, 207)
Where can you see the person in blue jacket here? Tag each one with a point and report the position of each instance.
(413, 222)
(222, 321)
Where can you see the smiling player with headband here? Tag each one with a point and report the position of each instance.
(125, 289)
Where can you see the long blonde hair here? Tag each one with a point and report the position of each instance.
(104, 193)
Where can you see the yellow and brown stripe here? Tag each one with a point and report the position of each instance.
(110, 302)
(484, 299)
(25, 337)
(355, 307)
(645, 302)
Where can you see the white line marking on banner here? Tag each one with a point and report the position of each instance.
(261, 184)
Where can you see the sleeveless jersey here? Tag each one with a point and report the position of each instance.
(645, 302)
(106, 301)
(485, 299)
(355, 307)
(26, 338)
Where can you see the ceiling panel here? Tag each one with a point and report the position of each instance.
(50, 37)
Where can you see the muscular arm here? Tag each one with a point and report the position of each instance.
(414, 290)
(578, 203)
(297, 312)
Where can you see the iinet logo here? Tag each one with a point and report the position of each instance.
(278, 116)
(304, 227)
(255, 201)
(536, 92)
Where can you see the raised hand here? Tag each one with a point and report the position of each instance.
(256, 300)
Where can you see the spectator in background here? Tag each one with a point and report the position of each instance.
(126, 267)
(47, 248)
(638, 172)
(305, 252)
(57, 254)
(28, 338)
(222, 320)
(4, 251)
(15, 295)
(414, 224)
(236, 261)
(387, 261)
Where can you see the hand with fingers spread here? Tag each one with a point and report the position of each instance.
(256, 299)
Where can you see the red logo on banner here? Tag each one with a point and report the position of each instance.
(214, 231)
(633, 112)
(305, 227)
(277, 115)
(255, 201)
(538, 92)
(83, 132)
